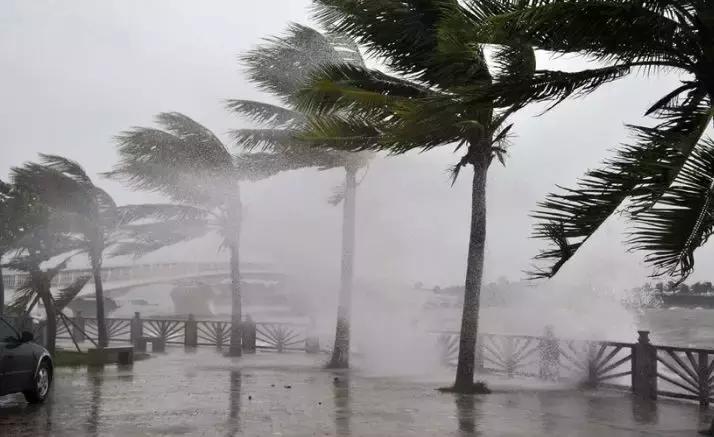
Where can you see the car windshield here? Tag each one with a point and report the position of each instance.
(7, 332)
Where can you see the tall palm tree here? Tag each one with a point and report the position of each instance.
(283, 66)
(663, 180)
(65, 186)
(420, 108)
(188, 163)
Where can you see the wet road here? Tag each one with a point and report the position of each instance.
(205, 394)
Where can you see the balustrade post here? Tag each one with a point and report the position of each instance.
(248, 331)
(78, 329)
(137, 329)
(191, 332)
(644, 367)
(703, 373)
(479, 364)
(509, 357)
(549, 350)
(592, 378)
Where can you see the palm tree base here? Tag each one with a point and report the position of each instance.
(234, 352)
(477, 388)
(336, 364)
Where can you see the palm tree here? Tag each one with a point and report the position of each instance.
(40, 236)
(65, 186)
(7, 231)
(663, 180)
(283, 66)
(420, 109)
(188, 163)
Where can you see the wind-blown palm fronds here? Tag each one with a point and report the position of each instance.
(646, 179)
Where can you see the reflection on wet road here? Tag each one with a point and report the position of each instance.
(206, 394)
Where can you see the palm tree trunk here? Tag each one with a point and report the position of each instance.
(235, 349)
(42, 285)
(474, 272)
(341, 352)
(103, 339)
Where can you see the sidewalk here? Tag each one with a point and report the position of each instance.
(206, 394)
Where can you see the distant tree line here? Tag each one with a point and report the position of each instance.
(683, 288)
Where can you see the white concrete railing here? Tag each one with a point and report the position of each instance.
(124, 273)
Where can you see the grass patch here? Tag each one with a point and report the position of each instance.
(477, 388)
(72, 358)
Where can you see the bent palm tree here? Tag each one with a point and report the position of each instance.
(283, 67)
(8, 230)
(63, 185)
(41, 235)
(662, 181)
(188, 163)
(366, 109)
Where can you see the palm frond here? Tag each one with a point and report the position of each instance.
(683, 219)
(186, 162)
(405, 35)
(141, 239)
(68, 293)
(283, 65)
(623, 32)
(270, 115)
(547, 85)
(348, 87)
(262, 165)
(131, 214)
(56, 189)
(264, 139)
(338, 195)
(642, 173)
(22, 298)
(67, 166)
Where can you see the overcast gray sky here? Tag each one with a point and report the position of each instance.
(75, 73)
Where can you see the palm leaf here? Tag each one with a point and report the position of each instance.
(642, 173)
(68, 293)
(623, 32)
(682, 220)
(283, 65)
(130, 214)
(22, 298)
(264, 113)
(405, 35)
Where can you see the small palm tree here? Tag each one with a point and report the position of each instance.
(39, 236)
(663, 180)
(7, 233)
(188, 163)
(63, 185)
(283, 67)
(425, 106)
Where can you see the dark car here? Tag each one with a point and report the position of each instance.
(25, 366)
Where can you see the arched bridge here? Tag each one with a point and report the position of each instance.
(120, 278)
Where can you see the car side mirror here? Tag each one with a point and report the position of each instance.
(27, 337)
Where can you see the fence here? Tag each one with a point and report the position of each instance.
(280, 337)
(645, 369)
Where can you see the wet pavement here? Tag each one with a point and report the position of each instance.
(205, 394)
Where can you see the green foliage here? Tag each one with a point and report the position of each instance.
(439, 95)
(284, 66)
(661, 182)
